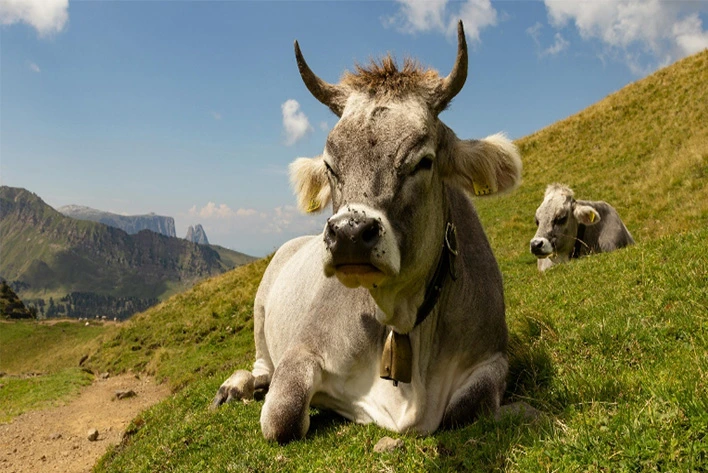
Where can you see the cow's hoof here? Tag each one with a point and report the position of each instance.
(240, 385)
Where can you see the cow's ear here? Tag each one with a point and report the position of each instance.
(484, 167)
(308, 177)
(586, 214)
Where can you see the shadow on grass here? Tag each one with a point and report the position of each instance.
(487, 444)
(323, 421)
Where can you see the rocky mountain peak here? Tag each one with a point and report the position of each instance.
(196, 234)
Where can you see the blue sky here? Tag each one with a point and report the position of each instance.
(194, 109)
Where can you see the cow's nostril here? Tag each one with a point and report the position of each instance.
(330, 236)
(371, 232)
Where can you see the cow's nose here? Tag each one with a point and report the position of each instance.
(537, 246)
(351, 238)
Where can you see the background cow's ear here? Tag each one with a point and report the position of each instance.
(586, 214)
(308, 177)
(484, 167)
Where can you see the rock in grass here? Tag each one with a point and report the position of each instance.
(92, 435)
(518, 409)
(124, 394)
(387, 444)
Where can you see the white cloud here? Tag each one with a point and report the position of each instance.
(437, 15)
(295, 122)
(46, 16)
(221, 211)
(535, 32)
(285, 218)
(216, 115)
(250, 230)
(644, 34)
(34, 67)
(324, 126)
(560, 44)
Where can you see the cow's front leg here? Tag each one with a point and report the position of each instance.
(240, 385)
(481, 394)
(286, 411)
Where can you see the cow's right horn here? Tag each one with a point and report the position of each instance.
(328, 94)
(453, 83)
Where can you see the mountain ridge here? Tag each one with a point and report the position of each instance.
(77, 256)
(131, 224)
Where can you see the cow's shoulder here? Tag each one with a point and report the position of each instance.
(280, 259)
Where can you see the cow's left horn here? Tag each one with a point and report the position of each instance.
(453, 83)
(329, 94)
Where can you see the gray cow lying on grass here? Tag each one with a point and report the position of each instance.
(394, 314)
(569, 228)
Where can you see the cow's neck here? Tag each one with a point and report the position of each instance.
(578, 242)
(397, 354)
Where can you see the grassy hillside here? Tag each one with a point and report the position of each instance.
(643, 149)
(619, 375)
(613, 348)
(39, 362)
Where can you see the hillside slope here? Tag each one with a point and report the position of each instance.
(620, 375)
(45, 254)
(643, 149)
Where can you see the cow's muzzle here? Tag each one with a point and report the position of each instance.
(541, 247)
(351, 239)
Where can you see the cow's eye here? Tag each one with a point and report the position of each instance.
(560, 220)
(425, 164)
(536, 220)
(330, 171)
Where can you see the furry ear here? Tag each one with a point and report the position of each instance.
(485, 167)
(308, 176)
(586, 214)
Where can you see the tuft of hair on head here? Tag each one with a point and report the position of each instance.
(560, 189)
(385, 78)
(308, 177)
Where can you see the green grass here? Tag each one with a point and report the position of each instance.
(19, 395)
(40, 363)
(29, 346)
(205, 330)
(619, 369)
(612, 349)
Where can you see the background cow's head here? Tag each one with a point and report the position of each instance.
(557, 219)
(385, 165)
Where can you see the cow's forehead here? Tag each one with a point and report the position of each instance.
(367, 122)
(553, 204)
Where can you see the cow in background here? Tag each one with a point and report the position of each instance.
(569, 228)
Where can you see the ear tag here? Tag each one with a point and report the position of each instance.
(592, 217)
(481, 189)
(397, 358)
(314, 206)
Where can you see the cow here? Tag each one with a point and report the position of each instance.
(569, 228)
(395, 313)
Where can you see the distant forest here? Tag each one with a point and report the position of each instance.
(90, 305)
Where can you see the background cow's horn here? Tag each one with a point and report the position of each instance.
(452, 84)
(328, 94)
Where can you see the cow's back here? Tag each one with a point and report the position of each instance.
(607, 235)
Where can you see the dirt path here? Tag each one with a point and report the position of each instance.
(56, 439)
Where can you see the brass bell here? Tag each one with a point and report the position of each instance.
(397, 358)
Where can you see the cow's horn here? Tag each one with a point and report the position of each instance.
(328, 94)
(452, 84)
